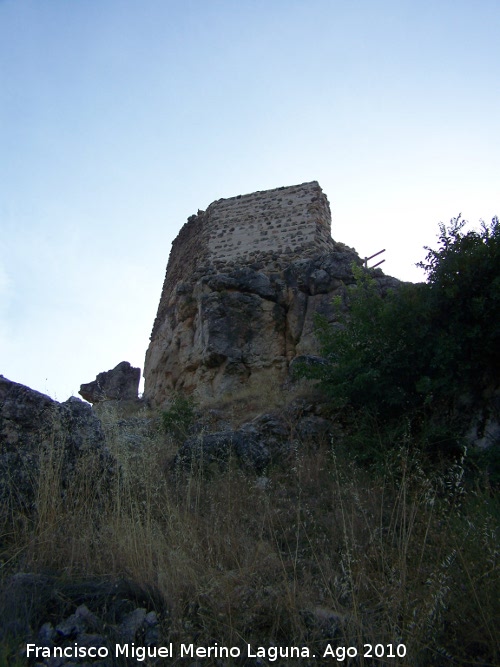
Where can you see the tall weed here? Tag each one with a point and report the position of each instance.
(318, 551)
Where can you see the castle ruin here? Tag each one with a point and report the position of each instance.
(244, 279)
(269, 227)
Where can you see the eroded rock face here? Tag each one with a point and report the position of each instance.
(119, 384)
(35, 430)
(243, 327)
(254, 446)
(269, 438)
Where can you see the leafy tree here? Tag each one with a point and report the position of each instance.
(374, 363)
(464, 296)
(411, 357)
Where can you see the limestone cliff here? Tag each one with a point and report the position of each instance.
(244, 280)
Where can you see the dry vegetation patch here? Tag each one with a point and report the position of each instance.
(315, 551)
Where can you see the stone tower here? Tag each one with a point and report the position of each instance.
(268, 228)
(244, 279)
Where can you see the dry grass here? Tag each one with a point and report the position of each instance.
(317, 551)
(250, 400)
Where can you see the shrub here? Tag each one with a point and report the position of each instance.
(408, 360)
(463, 295)
(179, 417)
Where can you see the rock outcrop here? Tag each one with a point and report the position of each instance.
(244, 282)
(35, 431)
(96, 613)
(118, 384)
(270, 438)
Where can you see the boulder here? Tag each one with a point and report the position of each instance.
(36, 430)
(254, 446)
(93, 612)
(118, 384)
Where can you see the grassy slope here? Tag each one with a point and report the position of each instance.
(393, 555)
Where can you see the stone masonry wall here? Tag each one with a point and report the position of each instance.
(269, 228)
(285, 221)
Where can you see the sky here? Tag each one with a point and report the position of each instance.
(121, 118)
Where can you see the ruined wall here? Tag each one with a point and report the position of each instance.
(286, 221)
(269, 228)
(279, 224)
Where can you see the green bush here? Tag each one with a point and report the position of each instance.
(463, 293)
(406, 361)
(179, 417)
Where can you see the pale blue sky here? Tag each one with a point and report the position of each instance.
(120, 118)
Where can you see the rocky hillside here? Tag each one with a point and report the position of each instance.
(248, 517)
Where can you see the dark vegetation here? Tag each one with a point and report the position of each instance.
(420, 361)
(178, 419)
(385, 535)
